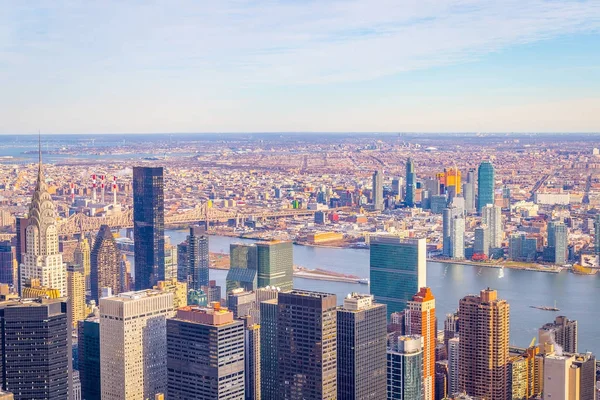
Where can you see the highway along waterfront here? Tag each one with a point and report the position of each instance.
(576, 296)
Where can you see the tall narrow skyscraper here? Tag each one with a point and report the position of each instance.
(76, 288)
(105, 261)
(378, 190)
(275, 264)
(486, 180)
(469, 192)
(420, 320)
(453, 233)
(81, 256)
(89, 357)
(453, 366)
(8, 272)
(411, 183)
(205, 354)
(197, 258)
(483, 346)
(405, 368)
(558, 241)
(307, 346)
(133, 339)
(269, 361)
(361, 348)
(397, 270)
(148, 226)
(42, 259)
(35, 349)
(491, 216)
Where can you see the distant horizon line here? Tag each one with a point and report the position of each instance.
(469, 133)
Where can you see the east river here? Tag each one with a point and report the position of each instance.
(578, 297)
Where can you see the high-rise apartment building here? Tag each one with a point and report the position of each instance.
(558, 241)
(420, 320)
(42, 259)
(405, 368)
(76, 288)
(307, 346)
(568, 376)
(81, 256)
(148, 226)
(561, 332)
(453, 233)
(361, 348)
(269, 360)
(453, 366)
(486, 181)
(491, 216)
(89, 357)
(469, 192)
(397, 270)
(133, 360)
(36, 349)
(378, 190)
(8, 270)
(105, 262)
(198, 260)
(411, 183)
(205, 354)
(275, 264)
(483, 345)
(481, 246)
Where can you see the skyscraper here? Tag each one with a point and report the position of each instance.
(561, 332)
(148, 226)
(453, 233)
(182, 261)
(420, 320)
(486, 185)
(378, 190)
(453, 366)
(469, 192)
(105, 262)
(491, 216)
(568, 376)
(197, 257)
(8, 272)
(215, 368)
(89, 358)
(81, 256)
(307, 346)
(397, 270)
(405, 368)
(558, 241)
(484, 332)
(133, 339)
(36, 349)
(361, 348)
(275, 264)
(482, 241)
(411, 183)
(41, 259)
(252, 358)
(269, 360)
(76, 288)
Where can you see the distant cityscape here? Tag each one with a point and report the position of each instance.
(99, 302)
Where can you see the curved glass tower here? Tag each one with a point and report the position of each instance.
(485, 188)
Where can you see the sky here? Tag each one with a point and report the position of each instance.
(299, 66)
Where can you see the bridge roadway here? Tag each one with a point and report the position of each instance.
(79, 222)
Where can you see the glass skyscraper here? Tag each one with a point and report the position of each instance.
(148, 226)
(411, 184)
(405, 368)
(197, 258)
(377, 190)
(485, 188)
(397, 270)
(89, 358)
(275, 264)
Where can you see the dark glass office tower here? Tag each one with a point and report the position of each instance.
(89, 358)
(205, 355)
(411, 183)
(243, 265)
(105, 264)
(36, 349)
(148, 226)
(485, 187)
(268, 359)
(275, 264)
(7, 263)
(361, 349)
(307, 345)
(197, 257)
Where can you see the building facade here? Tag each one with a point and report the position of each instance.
(269, 360)
(133, 360)
(81, 256)
(561, 332)
(89, 358)
(377, 190)
(197, 258)
(76, 288)
(307, 346)
(486, 184)
(275, 264)
(484, 332)
(105, 262)
(361, 348)
(148, 226)
(491, 216)
(397, 270)
(411, 183)
(8, 264)
(405, 368)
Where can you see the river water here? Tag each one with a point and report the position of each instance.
(577, 296)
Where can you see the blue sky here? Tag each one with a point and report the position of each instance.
(249, 66)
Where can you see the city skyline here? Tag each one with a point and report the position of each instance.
(448, 66)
